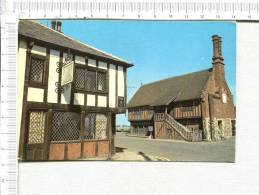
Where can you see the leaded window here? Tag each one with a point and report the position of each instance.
(80, 78)
(101, 81)
(36, 127)
(89, 132)
(65, 126)
(37, 70)
(95, 126)
(90, 80)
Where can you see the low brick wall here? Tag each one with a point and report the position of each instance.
(79, 150)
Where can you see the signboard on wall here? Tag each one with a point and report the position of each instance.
(67, 71)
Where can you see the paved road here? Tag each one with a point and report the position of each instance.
(221, 151)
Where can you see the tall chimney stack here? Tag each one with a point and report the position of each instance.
(217, 52)
(218, 61)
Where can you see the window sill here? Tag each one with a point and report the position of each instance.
(77, 141)
(37, 85)
(89, 91)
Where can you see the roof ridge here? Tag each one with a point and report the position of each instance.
(184, 87)
(73, 39)
(176, 77)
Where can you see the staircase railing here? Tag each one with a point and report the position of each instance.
(186, 133)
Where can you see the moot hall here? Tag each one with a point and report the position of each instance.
(193, 107)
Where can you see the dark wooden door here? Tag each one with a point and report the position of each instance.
(36, 136)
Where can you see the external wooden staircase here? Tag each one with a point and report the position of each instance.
(186, 133)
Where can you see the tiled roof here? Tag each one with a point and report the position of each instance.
(179, 88)
(40, 32)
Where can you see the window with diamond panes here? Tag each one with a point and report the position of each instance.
(101, 126)
(101, 81)
(80, 78)
(36, 70)
(91, 80)
(89, 132)
(36, 127)
(95, 126)
(65, 126)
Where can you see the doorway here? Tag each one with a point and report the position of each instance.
(35, 147)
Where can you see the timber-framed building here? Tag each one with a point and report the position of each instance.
(193, 107)
(68, 95)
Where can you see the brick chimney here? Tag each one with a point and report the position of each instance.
(59, 24)
(53, 24)
(218, 61)
(56, 25)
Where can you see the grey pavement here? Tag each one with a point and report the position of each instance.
(173, 150)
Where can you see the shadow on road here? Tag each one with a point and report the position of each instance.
(119, 149)
(144, 156)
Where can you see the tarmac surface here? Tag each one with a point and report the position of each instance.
(173, 150)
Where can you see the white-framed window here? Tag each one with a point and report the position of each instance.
(224, 98)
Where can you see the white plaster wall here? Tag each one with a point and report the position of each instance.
(20, 83)
(91, 62)
(112, 86)
(80, 60)
(39, 50)
(79, 99)
(120, 82)
(64, 56)
(53, 76)
(35, 94)
(90, 100)
(102, 101)
(65, 97)
(102, 65)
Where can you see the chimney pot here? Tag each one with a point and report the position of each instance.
(59, 24)
(53, 24)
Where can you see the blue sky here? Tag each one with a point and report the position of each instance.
(158, 49)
